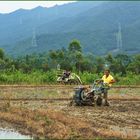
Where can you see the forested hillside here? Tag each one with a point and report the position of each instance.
(95, 24)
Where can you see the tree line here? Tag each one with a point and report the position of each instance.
(71, 58)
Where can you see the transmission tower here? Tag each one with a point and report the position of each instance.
(119, 38)
(34, 42)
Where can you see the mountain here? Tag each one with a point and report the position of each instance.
(95, 24)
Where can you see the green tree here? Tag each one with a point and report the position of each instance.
(109, 58)
(2, 54)
(75, 46)
(100, 64)
(74, 54)
(134, 66)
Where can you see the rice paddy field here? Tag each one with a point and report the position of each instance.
(45, 112)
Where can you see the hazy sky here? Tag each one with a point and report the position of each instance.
(9, 6)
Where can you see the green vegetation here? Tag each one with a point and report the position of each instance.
(42, 68)
(35, 77)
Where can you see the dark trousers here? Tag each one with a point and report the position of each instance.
(105, 92)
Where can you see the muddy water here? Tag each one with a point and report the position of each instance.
(11, 134)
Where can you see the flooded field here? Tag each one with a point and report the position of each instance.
(10, 134)
(44, 112)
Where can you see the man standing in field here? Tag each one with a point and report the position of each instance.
(108, 79)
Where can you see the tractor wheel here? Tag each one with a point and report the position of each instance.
(79, 97)
(73, 82)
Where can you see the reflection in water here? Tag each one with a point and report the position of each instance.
(10, 134)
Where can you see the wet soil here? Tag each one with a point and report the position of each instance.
(56, 119)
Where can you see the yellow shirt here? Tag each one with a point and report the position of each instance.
(107, 79)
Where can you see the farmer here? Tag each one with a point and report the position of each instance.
(66, 74)
(108, 79)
